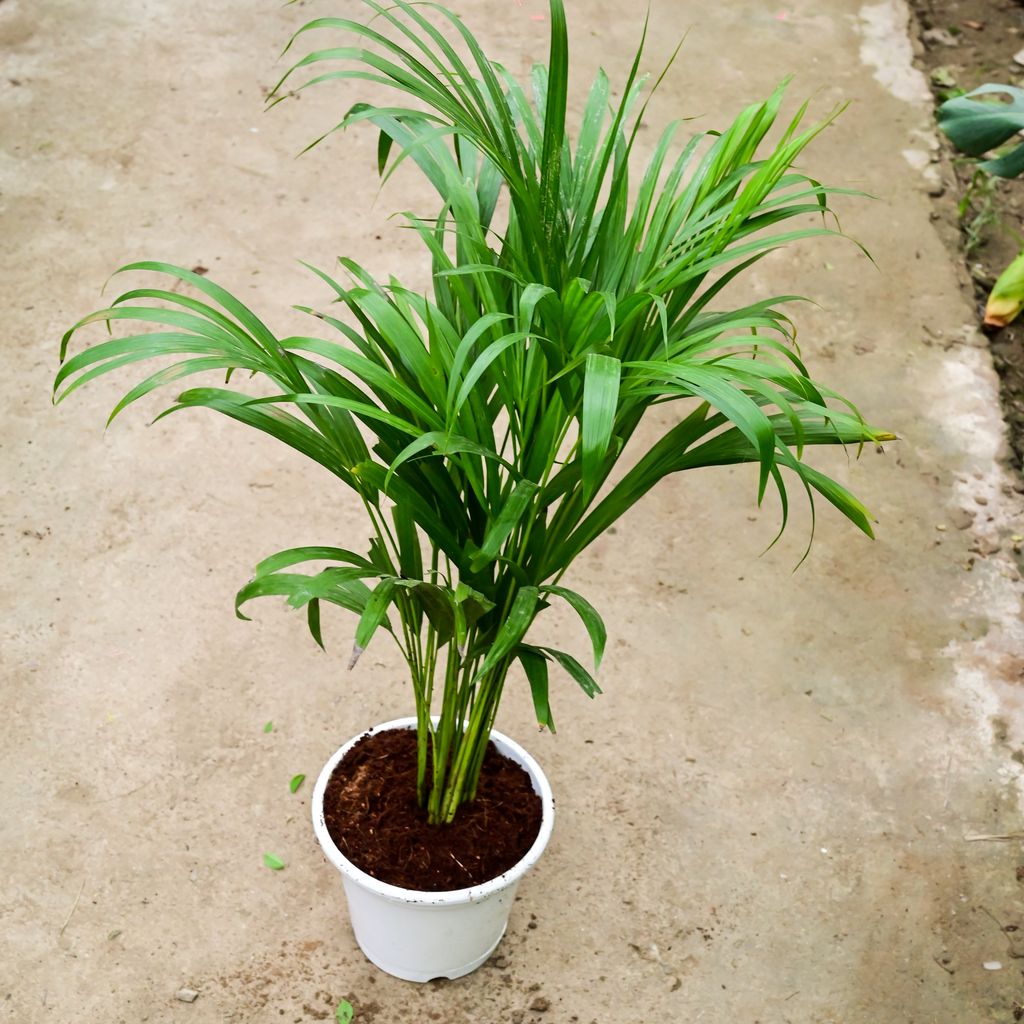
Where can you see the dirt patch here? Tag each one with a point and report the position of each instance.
(963, 44)
(372, 815)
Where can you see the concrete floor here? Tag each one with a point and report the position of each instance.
(763, 819)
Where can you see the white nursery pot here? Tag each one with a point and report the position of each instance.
(419, 936)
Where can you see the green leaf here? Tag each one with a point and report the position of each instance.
(515, 625)
(295, 556)
(483, 361)
(342, 586)
(273, 862)
(586, 681)
(313, 622)
(535, 665)
(374, 614)
(269, 727)
(977, 126)
(554, 131)
(344, 1013)
(588, 614)
(600, 401)
(296, 781)
(383, 149)
(510, 514)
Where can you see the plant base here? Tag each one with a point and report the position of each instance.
(373, 816)
(419, 935)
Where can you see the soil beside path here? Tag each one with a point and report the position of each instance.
(961, 44)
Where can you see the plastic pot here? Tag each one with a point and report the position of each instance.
(419, 936)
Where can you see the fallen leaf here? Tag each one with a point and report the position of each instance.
(269, 727)
(272, 862)
(344, 1013)
(297, 780)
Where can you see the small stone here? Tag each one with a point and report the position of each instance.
(943, 78)
(936, 189)
(540, 1005)
(981, 499)
(992, 965)
(985, 546)
(1018, 58)
(187, 995)
(962, 518)
(942, 37)
(981, 275)
(941, 527)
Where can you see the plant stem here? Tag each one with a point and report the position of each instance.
(469, 756)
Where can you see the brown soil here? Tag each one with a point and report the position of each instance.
(371, 813)
(983, 216)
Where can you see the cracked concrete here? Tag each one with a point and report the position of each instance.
(761, 820)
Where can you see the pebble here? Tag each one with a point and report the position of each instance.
(187, 995)
(981, 499)
(943, 37)
(985, 546)
(962, 518)
(1018, 58)
(992, 965)
(540, 1005)
(980, 274)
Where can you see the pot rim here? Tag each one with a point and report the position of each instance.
(470, 894)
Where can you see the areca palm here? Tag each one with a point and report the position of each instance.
(479, 423)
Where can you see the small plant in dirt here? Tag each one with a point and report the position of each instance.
(483, 425)
(978, 123)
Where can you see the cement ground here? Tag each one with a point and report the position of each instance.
(764, 817)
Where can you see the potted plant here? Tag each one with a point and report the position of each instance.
(483, 425)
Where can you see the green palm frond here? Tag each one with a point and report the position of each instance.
(480, 423)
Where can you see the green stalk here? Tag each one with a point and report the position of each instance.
(444, 736)
(474, 741)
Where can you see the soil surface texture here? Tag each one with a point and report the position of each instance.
(372, 815)
(963, 44)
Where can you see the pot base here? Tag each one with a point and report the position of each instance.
(405, 973)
